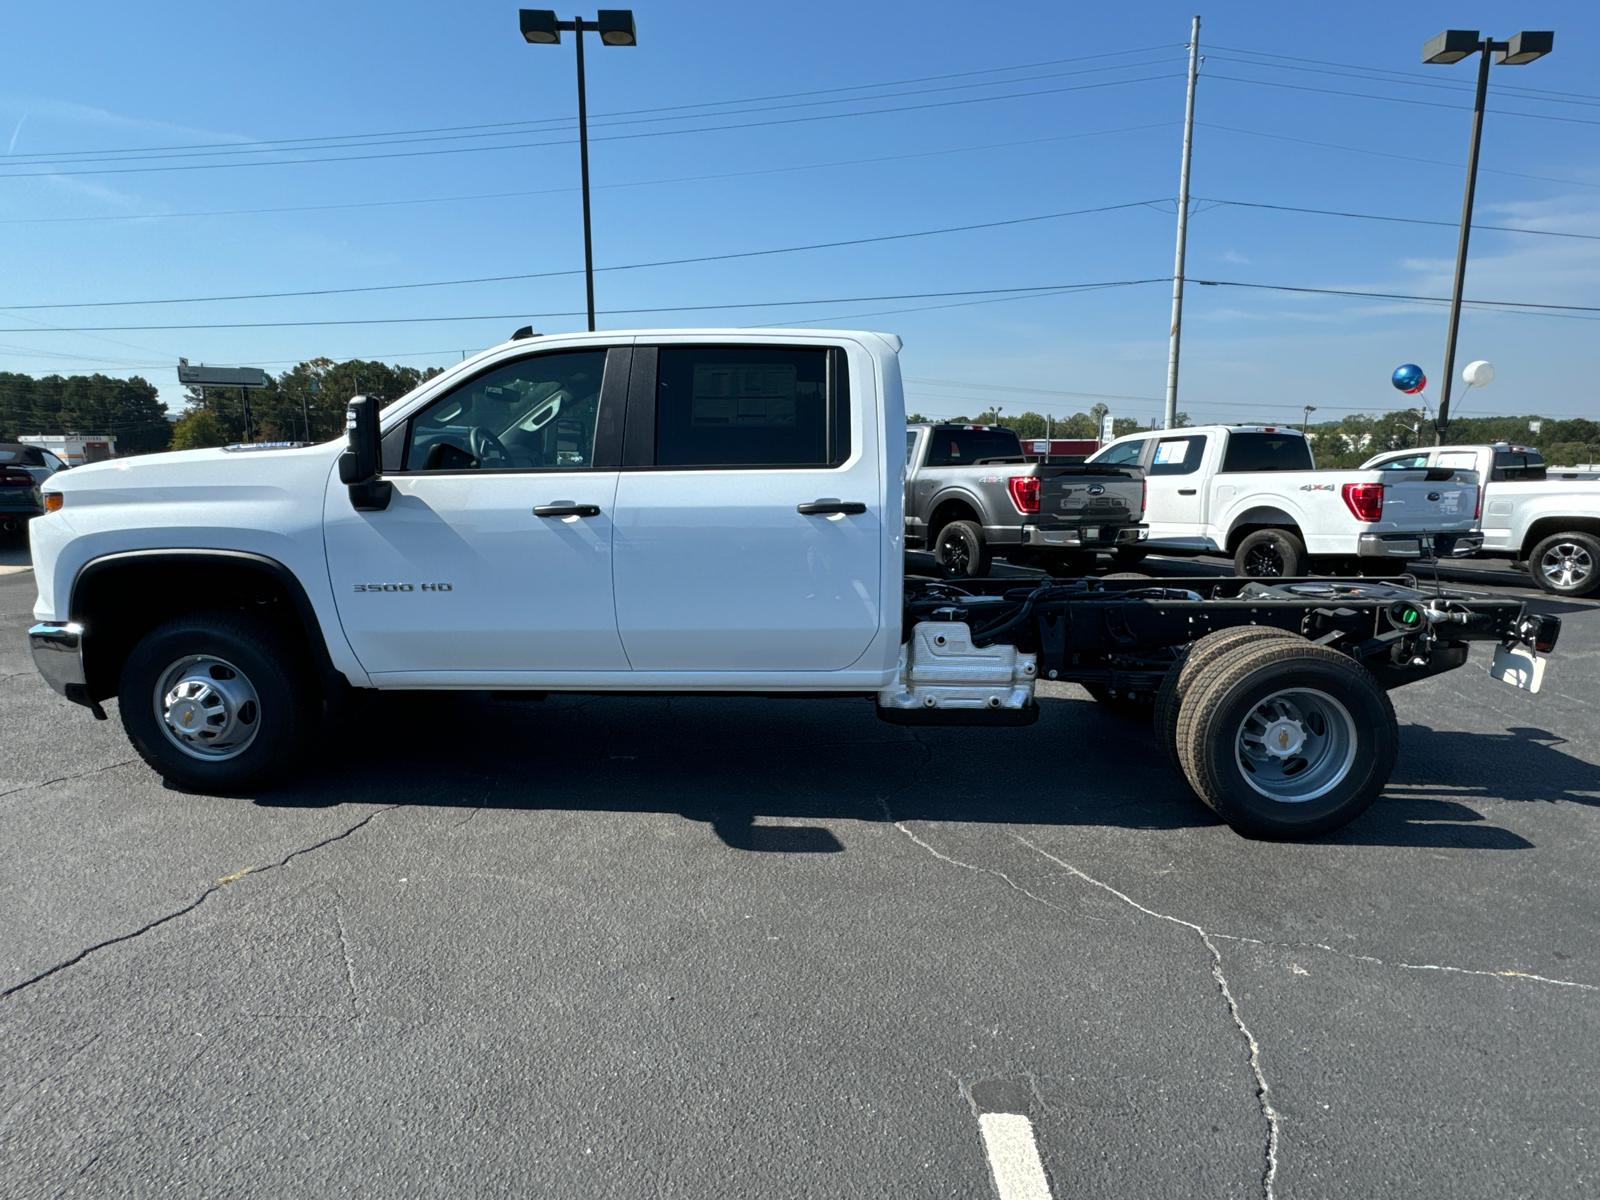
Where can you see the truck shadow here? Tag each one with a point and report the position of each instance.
(760, 772)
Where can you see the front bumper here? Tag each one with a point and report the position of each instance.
(1083, 537)
(1419, 545)
(58, 653)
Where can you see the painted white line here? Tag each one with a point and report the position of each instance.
(1014, 1157)
(13, 570)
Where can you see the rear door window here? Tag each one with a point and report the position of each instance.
(1178, 456)
(751, 406)
(1267, 452)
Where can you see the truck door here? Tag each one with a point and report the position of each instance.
(750, 510)
(1175, 492)
(494, 555)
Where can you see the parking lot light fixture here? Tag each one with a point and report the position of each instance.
(540, 27)
(1305, 417)
(1452, 46)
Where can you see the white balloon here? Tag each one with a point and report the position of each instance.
(1479, 373)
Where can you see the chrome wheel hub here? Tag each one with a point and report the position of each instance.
(207, 707)
(1296, 745)
(1566, 564)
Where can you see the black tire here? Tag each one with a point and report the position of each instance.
(274, 672)
(1270, 554)
(1193, 660)
(1567, 564)
(961, 550)
(1135, 706)
(1069, 565)
(1124, 557)
(1329, 704)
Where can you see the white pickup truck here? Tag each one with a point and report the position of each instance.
(1531, 513)
(709, 511)
(1253, 491)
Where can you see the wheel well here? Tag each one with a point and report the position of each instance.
(1242, 531)
(1549, 526)
(947, 511)
(121, 598)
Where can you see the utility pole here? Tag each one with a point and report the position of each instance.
(1171, 416)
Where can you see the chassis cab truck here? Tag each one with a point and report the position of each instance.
(683, 512)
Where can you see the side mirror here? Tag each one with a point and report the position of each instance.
(358, 466)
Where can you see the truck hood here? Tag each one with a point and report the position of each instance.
(197, 476)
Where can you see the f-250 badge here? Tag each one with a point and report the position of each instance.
(405, 587)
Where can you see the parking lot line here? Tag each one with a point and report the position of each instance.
(1014, 1156)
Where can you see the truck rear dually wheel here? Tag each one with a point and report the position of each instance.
(218, 702)
(1287, 740)
(1192, 663)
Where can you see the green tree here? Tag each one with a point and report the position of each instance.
(129, 409)
(197, 429)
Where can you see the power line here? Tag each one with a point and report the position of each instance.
(849, 162)
(1413, 77)
(550, 125)
(620, 113)
(1041, 289)
(1326, 212)
(1542, 309)
(610, 138)
(1300, 87)
(672, 262)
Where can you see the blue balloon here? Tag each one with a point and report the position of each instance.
(1409, 379)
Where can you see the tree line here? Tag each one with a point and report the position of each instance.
(306, 403)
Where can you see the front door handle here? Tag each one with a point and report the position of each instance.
(1186, 491)
(566, 508)
(822, 508)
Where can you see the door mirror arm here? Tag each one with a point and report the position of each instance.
(359, 466)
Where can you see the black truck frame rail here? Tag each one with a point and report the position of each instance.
(1125, 634)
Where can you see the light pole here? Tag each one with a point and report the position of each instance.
(615, 27)
(1452, 46)
(1305, 417)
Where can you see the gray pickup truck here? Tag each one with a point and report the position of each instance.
(972, 496)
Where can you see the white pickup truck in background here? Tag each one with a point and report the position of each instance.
(1548, 518)
(1253, 492)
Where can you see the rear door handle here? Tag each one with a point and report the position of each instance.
(1186, 491)
(820, 508)
(566, 508)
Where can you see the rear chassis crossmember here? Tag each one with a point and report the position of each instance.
(1125, 634)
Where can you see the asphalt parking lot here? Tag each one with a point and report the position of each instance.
(740, 947)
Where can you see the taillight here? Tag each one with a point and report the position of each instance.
(1477, 512)
(1144, 495)
(1364, 500)
(15, 479)
(1024, 493)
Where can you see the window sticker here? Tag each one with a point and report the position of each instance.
(745, 395)
(1172, 452)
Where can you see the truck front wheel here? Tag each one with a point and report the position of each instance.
(961, 550)
(218, 702)
(1270, 554)
(1567, 564)
(1287, 740)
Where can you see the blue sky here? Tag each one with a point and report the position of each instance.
(448, 152)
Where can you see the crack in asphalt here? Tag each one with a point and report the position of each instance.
(1268, 1113)
(193, 904)
(1444, 968)
(44, 783)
